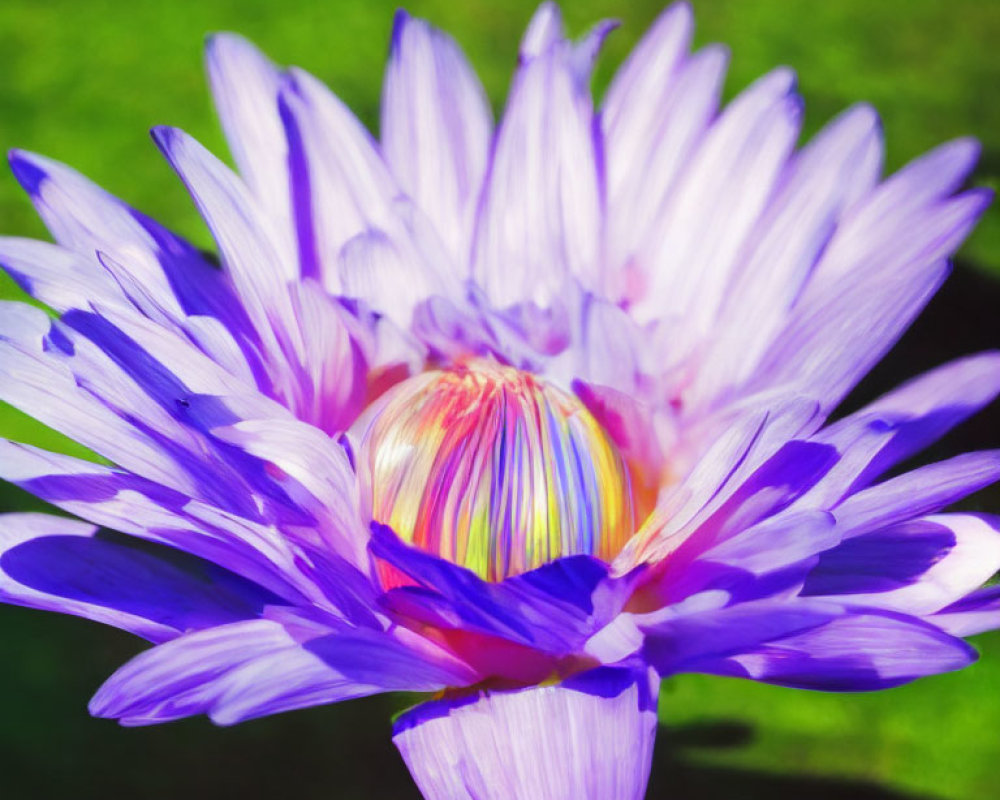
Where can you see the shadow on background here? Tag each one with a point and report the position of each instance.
(678, 775)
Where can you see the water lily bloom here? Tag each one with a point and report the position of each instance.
(524, 416)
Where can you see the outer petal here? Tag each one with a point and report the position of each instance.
(856, 652)
(916, 493)
(648, 74)
(112, 392)
(251, 248)
(900, 214)
(706, 630)
(903, 422)
(37, 364)
(249, 242)
(877, 273)
(350, 189)
(245, 88)
(56, 276)
(809, 644)
(928, 406)
(262, 552)
(436, 129)
(651, 133)
(544, 31)
(588, 739)
(317, 463)
(249, 669)
(869, 317)
(86, 219)
(771, 558)
(978, 612)
(64, 565)
(918, 567)
(822, 180)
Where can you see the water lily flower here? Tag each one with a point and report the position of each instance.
(524, 416)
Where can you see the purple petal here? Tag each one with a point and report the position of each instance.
(330, 389)
(350, 187)
(771, 558)
(903, 215)
(921, 183)
(388, 275)
(300, 367)
(877, 273)
(648, 73)
(916, 567)
(249, 242)
(553, 608)
(609, 346)
(245, 89)
(319, 465)
(777, 542)
(745, 449)
(828, 345)
(854, 653)
(914, 494)
(683, 642)
(111, 498)
(585, 52)
(975, 613)
(436, 128)
(840, 164)
(901, 423)
(248, 669)
(88, 379)
(588, 739)
(34, 377)
(158, 593)
(86, 219)
(927, 407)
(58, 277)
(774, 486)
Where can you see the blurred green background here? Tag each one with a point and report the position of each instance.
(83, 81)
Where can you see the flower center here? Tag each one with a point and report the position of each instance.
(495, 470)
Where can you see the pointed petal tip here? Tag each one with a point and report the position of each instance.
(865, 112)
(219, 44)
(28, 169)
(162, 135)
(862, 118)
(979, 199)
(170, 139)
(964, 148)
(946, 166)
(715, 52)
(544, 30)
(784, 76)
(678, 17)
(100, 704)
(399, 22)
